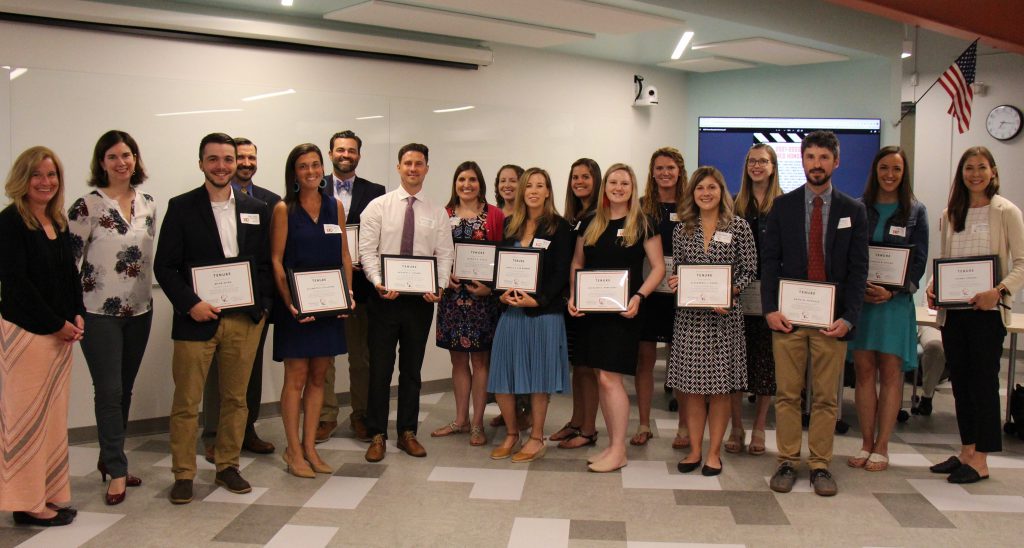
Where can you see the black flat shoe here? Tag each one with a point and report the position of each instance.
(687, 467)
(965, 474)
(62, 518)
(710, 471)
(947, 466)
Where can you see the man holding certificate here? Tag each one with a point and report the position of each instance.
(406, 248)
(814, 263)
(212, 264)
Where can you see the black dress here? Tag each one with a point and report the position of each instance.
(609, 341)
(659, 309)
(760, 360)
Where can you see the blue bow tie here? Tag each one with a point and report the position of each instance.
(343, 185)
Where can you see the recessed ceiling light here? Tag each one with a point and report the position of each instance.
(455, 109)
(288, 91)
(374, 117)
(684, 41)
(212, 111)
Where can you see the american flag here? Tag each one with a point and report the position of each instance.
(957, 82)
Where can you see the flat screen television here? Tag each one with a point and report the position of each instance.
(723, 142)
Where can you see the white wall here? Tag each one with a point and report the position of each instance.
(534, 108)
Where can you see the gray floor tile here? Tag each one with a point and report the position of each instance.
(913, 510)
(257, 524)
(587, 529)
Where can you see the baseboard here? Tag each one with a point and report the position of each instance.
(160, 425)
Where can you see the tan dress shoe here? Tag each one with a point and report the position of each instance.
(359, 428)
(375, 453)
(324, 430)
(254, 444)
(408, 443)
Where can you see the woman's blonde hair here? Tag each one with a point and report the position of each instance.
(746, 203)
(635, 227)
(689, 213)
(18, 180)
(547, 221)
(650, 204)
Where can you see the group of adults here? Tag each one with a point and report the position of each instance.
(87, 276)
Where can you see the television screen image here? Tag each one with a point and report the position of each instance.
(723, 142)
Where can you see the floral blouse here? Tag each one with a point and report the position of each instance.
(115, 254)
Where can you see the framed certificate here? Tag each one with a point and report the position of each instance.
(808, 304)
(663, 285)
(888, 264)
(409, 273)
(319, 291)
(225, 284)
(352, 234)
(517, 268)
(599, 290)
(957, 281)
(750, 299)
(704, 286)
(474, 260)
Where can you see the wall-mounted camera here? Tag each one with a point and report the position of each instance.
(645, 95)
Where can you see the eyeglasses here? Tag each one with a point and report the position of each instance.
(758, 162)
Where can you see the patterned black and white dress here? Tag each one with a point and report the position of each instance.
(709, 352)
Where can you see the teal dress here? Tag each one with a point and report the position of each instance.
(889, 327)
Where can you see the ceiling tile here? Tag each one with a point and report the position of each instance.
(765, 50)
(579, 15)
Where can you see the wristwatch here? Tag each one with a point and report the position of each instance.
(1003, 291)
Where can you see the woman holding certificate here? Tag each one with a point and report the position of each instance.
(759, 187)
(505, 185)
(112, 230)
(977, 222)
(608, 287)
(709, 354)
(885, 342)
(529, 351)
(581, 430)
(41, 313)
(468, 313)
(666, 181)
(307, 231)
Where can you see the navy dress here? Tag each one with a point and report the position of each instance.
(309, 245)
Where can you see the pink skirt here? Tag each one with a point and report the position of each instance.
(35, 374)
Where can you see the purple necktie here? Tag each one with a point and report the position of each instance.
(409, 228)
(816, 249)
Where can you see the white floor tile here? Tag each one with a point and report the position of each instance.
(82, 460)
(929, 438)
(997, 461)
(908, 459)
(350, 444)
(487, 484)
(86, 526)
(534, 532)
(340, 492)
(431, 399)
(307, 536)
(644, 474)
(393, 415)
(949, 497)
(802, 485)
(223, 495)
(201, 463)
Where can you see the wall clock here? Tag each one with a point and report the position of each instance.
(1004, 122)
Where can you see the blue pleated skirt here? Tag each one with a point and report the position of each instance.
(529, 355)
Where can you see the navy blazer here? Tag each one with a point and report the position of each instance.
(363, 192)
(265, 196)
(784, 251)
(188, 235)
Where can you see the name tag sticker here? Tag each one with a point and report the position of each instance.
(674, 217)
(331, 229)
(724, 237)
(845, 223)
(979, 229)
(541, 243)
(429, 223)
(898, 231)
(250, 218)
(618, 233)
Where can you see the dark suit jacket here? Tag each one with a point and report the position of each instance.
(784, 251)
(555, 262)
(363, 192)
(188, 236)
(265, 196)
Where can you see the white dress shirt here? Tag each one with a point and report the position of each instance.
(227, 225)
(380, 232)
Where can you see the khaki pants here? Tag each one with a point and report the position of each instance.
(234, 345)
(357, 328)
(827, 356)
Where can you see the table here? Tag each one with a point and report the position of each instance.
(924, 317)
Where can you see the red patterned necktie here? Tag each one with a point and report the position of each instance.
(815, 246)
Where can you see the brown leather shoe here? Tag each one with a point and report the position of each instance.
(324, 430)
(375, 453)
(254, 444)
(407, 442)
(208, 452)
(359, 428)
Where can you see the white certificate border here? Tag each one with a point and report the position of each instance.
(248, 271)
(908, 251)
(940, 263)
(297, 295)
(353, 254)
(390, 258)
(477, 243)
(816, 285)
(613, 271)
(679, 294)
(499, 253)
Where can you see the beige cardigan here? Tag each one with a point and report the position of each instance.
(1006, 234)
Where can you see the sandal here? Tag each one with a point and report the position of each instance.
(736, 441)
(567, 432)
(859, 460)
(449, 429)
(682, 440)
(590, 439)
(642, 436)
(877, 462)
(756, 446)
(477, 436)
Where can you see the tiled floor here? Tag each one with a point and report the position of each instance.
(457, 496)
